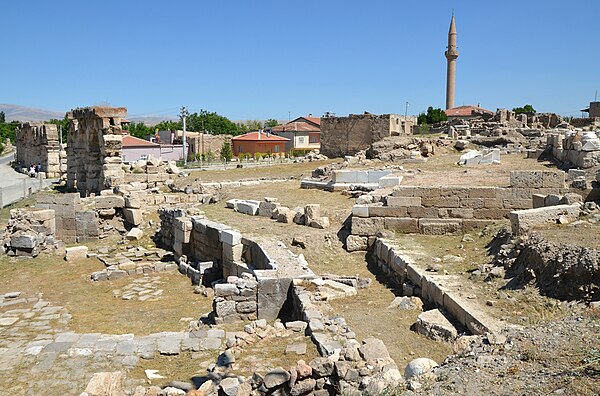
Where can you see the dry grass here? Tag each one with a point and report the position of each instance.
(296, 170)
(92, 304)
(583, 234)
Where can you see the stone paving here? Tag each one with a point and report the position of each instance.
(39, 355)
(142, 289)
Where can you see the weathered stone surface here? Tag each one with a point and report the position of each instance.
(435, 325)
(76, 253)
(319, 222)
(276, 377)
(133, 216)
(407, 303)
(135, 234)
(523, 220)
(321, 367)
(419, 367)
(25, 240)
(106, 384)
(373, 348)
(355, 243)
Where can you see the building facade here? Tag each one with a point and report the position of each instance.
(258, 142)
(304, 134)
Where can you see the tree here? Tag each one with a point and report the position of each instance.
(211, 122)
(139, 130)
(527, 109)
(2, 117)
(433, 116)
(271, 123)
(226, 152)
(169, 125)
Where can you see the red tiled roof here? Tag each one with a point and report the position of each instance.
(316, 120)
(301, 126)
(130, 141)
(264, 137)
(466, 111)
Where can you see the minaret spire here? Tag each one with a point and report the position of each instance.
(451, 55)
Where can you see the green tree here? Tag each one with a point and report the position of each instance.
(226, 152)
(2, 117)
(527, 109)
(271, 123)
(169, 125)
(139, 130)
(211, 122)
(433, 116)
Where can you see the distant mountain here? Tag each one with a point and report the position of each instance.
(22, 113)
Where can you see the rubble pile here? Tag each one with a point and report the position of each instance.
(29, 232)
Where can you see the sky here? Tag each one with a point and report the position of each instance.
(250, 59)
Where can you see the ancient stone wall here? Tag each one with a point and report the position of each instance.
(347, 135)
(581, 149)
(74, 223)
(94, 160)
(37, 143)
(451, 209)
(29, 232)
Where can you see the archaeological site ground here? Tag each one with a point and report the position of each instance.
(460, 261)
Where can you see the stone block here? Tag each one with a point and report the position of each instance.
(230, 237)
(523, 220)
(403, 201)
(266, 208)
(439, 226)
(109, 201)
(495, 214)
(387, 211)
(360, 210)
(460, 213)
(248, 207)
(133, 216)
(25, 240)
(435, 325)
(418, 212)
(367, 226)
(135, 234)
(76, 253)
(42, 215)
(312, 212)
(319, 222)
(232, 252)
(356, 243)
(406, 225)
(390, 181)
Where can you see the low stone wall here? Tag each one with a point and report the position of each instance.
(309, 215)
(442, 291)
(73, 222)
(195, 239)
(452, 209)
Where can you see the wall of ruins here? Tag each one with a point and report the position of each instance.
(451, 209)
(581, 149)
(38, 143)
(94, 160)
(201, 240)
(347, 135)
(73, 222)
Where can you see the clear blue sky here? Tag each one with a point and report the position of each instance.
(263, 59)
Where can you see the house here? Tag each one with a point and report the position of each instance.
(304, 133)
(258, 142)
(197, 142)
(468, 112)
(593, 110)
(135, 149)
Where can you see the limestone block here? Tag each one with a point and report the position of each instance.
(133, 216)
(42, 215)
(405, 225)
(109, 201)
(266, 208)
(312, 212)
(387, 211)
(390, 181)
(320, 223)
(76, 253)
(135, 234)
(230, 237)
(285, 215)
(403, 201)
(523, 220)
(360, 210)
(105, 383)
(24, 240)
(232, 253)
(439, 226)
(133, 202)
(248, 207)
(367, 226)
(356, 243)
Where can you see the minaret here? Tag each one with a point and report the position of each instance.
(451, 55)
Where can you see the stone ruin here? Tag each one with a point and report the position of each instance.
(580, 149)
(94, 160)
(38, 143)
(29, 232)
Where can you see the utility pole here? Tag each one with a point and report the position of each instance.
(406, 111)
(60, 138)
(184, 114)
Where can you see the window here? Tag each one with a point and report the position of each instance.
(314, 139)
(239, 149)
(300, 139)
(276, 148)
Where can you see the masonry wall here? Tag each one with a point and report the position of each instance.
(452, 209)
(38, 143)
(94, 152)
(73, 223)
(348, 135)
